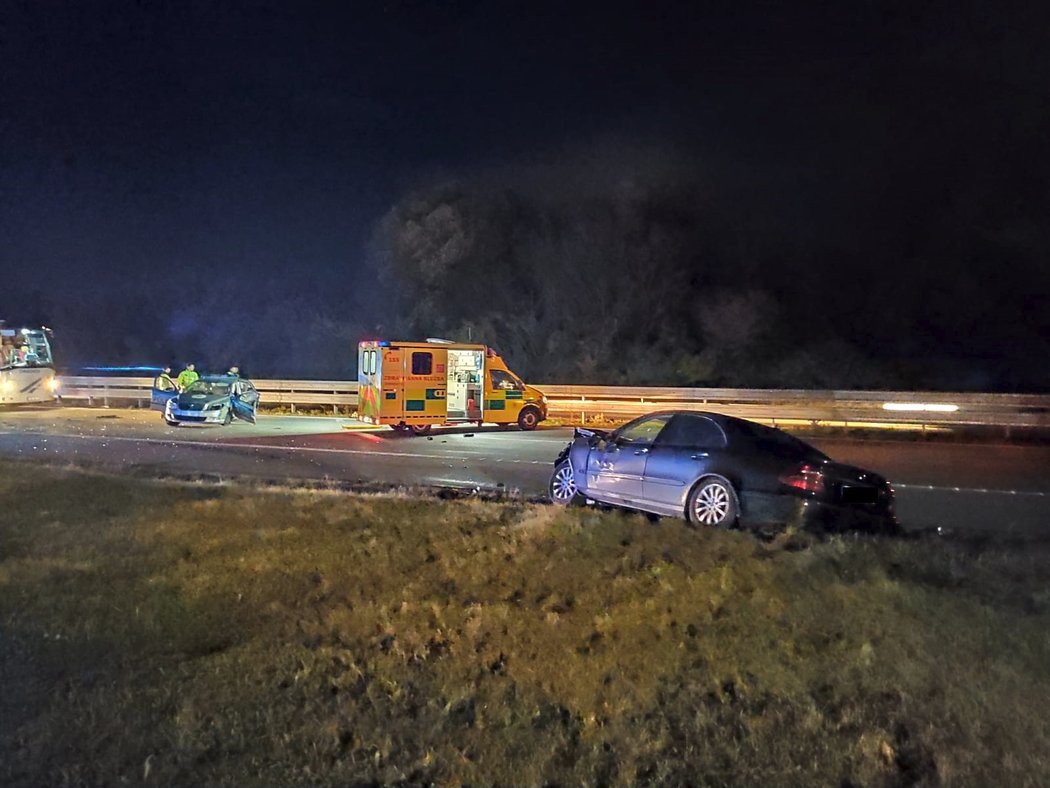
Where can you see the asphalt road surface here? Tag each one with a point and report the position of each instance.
(967, 487)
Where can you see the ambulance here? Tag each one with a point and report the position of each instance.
(413, 386)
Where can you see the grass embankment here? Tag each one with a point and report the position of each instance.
(157, 633)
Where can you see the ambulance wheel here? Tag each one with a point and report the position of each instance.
(420, 429)
(528, 419)
(401, 427)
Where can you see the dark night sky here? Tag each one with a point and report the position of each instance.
(152, 139)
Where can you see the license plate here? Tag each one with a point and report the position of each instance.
(860, 495)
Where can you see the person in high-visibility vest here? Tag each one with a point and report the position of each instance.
(165, 382)
(187, 377)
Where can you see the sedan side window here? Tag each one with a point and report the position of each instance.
(693, 432)
(643, 431)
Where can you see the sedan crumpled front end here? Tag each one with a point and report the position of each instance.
(569, 482)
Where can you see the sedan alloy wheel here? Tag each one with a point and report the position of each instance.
(713, 503)
(562, 487)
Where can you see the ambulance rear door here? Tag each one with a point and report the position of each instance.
(425, 384)
(392, 384)
(369, 382)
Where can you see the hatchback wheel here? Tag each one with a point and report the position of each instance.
(713, 503)
(562, 486)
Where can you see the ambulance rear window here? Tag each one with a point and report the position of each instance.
(422, 363)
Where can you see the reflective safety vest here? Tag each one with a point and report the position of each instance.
(186, 378)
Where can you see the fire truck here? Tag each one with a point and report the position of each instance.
(413, 386)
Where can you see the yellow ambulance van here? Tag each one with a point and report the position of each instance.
(413, 386)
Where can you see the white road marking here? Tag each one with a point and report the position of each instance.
(983, 490)
(105, 439)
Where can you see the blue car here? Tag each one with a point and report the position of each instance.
(212, 399)
(716, 470)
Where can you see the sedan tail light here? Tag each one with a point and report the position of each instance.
(806, 478)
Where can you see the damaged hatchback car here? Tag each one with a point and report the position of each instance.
(212, 399)
(716, 470)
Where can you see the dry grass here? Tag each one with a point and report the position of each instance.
(174, 634)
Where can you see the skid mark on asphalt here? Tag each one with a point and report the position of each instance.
(104, 439)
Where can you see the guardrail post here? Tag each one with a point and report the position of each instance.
(335, 407)
(105, 396)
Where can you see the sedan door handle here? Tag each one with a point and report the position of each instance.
(698, 456)
(641, 451)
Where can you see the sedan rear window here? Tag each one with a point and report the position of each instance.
(772, 439)
(692, 431)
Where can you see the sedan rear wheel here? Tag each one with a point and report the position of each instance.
(562, 486)
(713, 503)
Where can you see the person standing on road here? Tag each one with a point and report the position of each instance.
(165, 382)
(235, 372)
(187, 377)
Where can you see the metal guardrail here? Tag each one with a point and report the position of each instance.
(846, 408)
(122, 390)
